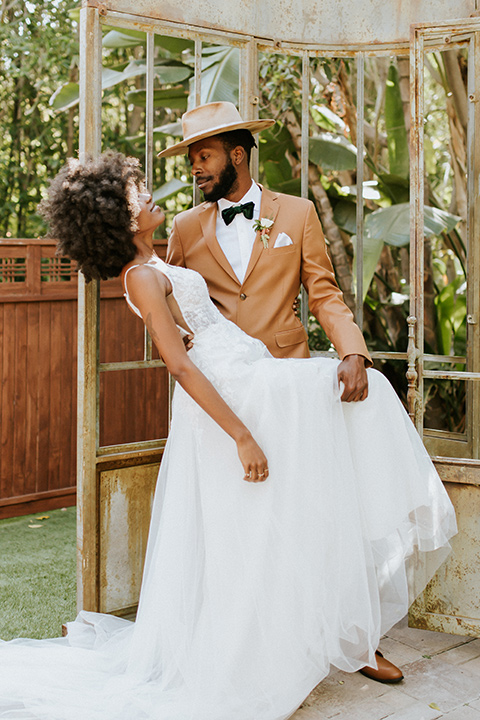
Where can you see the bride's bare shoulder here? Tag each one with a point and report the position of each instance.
(145, 279)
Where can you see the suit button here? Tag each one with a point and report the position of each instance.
(243, 296)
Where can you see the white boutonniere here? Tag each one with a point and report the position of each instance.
(263, 226)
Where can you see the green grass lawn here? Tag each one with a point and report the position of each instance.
(37, 574)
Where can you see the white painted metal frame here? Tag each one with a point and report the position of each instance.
(90, 454)
(424, 38)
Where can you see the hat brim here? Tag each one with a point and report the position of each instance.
(254, 126)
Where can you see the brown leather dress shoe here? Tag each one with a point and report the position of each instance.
(386, 672)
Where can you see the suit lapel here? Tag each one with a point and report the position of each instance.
(208, 222)
(268, 209)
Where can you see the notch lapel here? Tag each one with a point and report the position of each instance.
(208, 222)
(268, 209)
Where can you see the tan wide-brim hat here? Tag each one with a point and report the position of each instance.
(212, 119)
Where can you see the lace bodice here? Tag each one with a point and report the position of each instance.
(191, 293)
(221, 350)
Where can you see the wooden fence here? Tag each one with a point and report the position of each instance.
(38, 382)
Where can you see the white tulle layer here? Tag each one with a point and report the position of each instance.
(252, 591)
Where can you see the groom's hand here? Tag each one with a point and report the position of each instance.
(187, 341)
(353, 374)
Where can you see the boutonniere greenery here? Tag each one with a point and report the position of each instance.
(263, 226)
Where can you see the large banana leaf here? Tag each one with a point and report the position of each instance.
(332, 152)
(345, 216)
(123, 38)
(174, 129)
(397, 141)
(169, 189)
(277, 173)
(372, 249)
(394, 187)
(175, 97)
(67, 95)
(220, 69)
(370, 190)
(451, 314)
(168, 72)
(170, 129)
(118, 38)
(274, 142)
(392, 224)
(327, 119)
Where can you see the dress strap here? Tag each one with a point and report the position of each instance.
(126, 295)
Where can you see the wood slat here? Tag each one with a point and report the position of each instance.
(8, 405)
(44, 381)
(20, 396)
(3, 464)
(58, 356)
(39, 502)
(31, 418)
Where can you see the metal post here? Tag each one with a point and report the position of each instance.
(304, 158)
(149, 109)
(473, 245)
(359, 216)
(417, 211)
(197, 80)
(248, 92)
(88, 335)
(150, 76)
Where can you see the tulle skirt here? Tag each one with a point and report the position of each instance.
(251, 592)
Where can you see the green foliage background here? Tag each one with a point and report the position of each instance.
(38, 50)
(38, 112)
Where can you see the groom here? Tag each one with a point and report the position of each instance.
(255, 248)
(255, 280)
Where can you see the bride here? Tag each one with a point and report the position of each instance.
(286, 524)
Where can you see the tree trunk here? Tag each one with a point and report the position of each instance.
(430, 310)
(403, 67)
(388, 272)
(350, 109)
(456, 85)
(457, 111)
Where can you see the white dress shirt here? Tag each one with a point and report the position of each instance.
(236, 239)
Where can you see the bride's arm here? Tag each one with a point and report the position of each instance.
(148, 291)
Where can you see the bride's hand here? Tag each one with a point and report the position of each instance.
(253, 460)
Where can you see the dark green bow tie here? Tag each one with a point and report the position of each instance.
(229, 213)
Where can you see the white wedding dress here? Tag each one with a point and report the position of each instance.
(252, 591)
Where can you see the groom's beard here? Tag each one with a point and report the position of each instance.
(225, 184)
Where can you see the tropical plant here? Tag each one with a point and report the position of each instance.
(332, 166)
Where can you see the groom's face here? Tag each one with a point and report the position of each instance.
(213, 169)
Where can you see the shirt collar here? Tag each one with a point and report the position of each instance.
(253, 194)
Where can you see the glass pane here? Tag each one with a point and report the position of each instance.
(445, 256)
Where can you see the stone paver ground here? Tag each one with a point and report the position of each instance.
(442, 680)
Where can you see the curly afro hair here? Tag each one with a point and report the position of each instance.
(91, 209)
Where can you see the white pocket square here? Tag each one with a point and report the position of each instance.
(282, 240)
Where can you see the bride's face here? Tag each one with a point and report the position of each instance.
(150, 215)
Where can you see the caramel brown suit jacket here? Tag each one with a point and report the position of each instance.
(262, 305)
